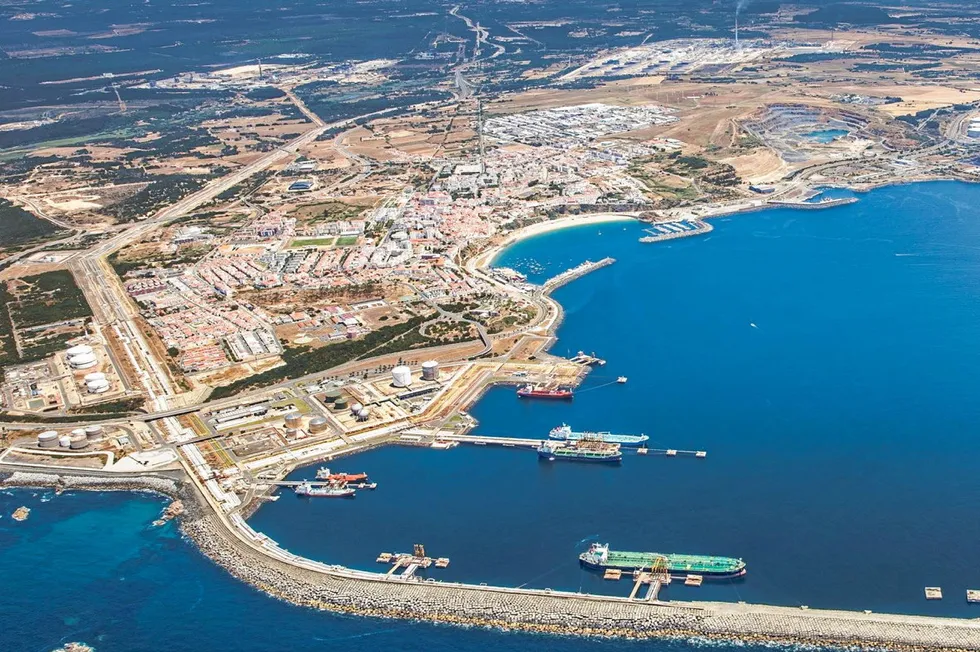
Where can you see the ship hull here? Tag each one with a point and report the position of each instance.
(624, 442)
(677, 565)
(607, 459)
(563, 396)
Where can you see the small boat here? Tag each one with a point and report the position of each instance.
(621, 380)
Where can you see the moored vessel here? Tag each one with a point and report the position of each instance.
(564, 432)
(323, 473)
(534, 391)
(601, 557)
(308, 489)
(580, 452)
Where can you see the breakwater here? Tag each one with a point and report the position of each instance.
(578, 271)
(255, 559)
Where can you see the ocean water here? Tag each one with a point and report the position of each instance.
(90, 567)
(826, 361)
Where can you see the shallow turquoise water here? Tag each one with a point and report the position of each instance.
(826, 135)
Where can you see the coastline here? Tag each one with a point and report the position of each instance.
(259, 562)
(485, 258)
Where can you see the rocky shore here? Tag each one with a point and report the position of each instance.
(306, 583)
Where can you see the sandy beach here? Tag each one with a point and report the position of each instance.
(486, 258)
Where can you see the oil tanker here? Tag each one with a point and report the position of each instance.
(307, 489)
(565, 433)
(601, 557)
(534, 391)
(580, 452)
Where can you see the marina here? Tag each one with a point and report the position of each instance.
(662, 231)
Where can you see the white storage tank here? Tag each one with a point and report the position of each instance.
(93, 377)
(430, 370)
(401, 376)
(363, 414)
(64, 441)
(81, 349)
(78, 431)
(77, 442)
(47, 439)
(82, 361)
(93, 431)
(354, 409)
(97, 386)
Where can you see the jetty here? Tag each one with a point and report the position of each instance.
(570, 275)
(820, 203)
(661, 231)
(256, 559)
(411, 438)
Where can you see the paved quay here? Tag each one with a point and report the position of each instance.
(257, 560)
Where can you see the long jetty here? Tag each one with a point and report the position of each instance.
(579, 270)
(256, 559)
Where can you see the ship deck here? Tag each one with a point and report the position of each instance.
(675, 562)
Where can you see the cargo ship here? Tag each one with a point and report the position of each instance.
(601, 557)
(580, 452)
(565, 433)
(323, 473)
(307, 489)
(533, 391)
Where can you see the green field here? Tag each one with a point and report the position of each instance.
(346, 241)
(311, 242)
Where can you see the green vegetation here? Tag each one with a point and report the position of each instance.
(164, 190)
(18, 227)
(331, 211)
(49, 297)
(311, 242)
(301, 361)
(346, 241)
(121, 406)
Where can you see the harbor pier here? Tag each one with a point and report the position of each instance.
(254, 558)
(578, 271)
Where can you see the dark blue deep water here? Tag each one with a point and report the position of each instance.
(827, 361)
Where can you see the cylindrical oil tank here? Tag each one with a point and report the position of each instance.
(318, 425)
(82, 361)
(97, 386)
(331, 395)
(93, 431)
(340, 404)
(294, 420)
(94, 377)
(47, 439)
(78, 442)
(401, 376)
(64, 441)
(292, 432)
(78, 431)
(430, 370)
(81, 349)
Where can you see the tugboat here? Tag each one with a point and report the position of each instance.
(533, 391)
(580, 451)
(308, 490)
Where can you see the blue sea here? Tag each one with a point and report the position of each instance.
(827, 361)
